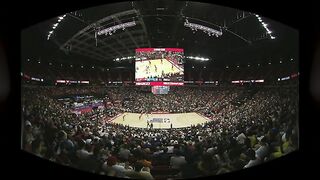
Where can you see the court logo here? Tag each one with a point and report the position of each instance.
(160, 120)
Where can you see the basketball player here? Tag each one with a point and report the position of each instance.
(123, 117)
(162, 60)
(155, 68)
(172, 67)
(140, 115)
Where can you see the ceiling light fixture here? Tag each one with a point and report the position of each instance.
(124, 58)
(265, 26)
(198, 58)
(113, 29)
(194, 27)
(60, 18)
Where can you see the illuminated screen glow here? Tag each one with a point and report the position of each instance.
(159, 65)
(160, 89)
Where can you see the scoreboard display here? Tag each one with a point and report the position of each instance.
(158, 65)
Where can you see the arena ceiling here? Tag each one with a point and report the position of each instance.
(160, 24)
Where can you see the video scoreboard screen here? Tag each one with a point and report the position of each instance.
(159, 66)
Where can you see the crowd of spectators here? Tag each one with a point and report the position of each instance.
(248, 127)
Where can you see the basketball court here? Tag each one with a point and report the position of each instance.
(160, 121)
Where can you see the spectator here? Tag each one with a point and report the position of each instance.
(114, 168)
(253, 159)
(82, 153)
(177, 160)
(207, 165)
(138, 173)
(124, 153)
(263, 150)
(87, 142)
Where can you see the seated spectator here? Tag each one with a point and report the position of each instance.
(82, 153)
(28, 137)
(177, 160)
(290, 144)
(241, 138)
(163, 158)
(124, 153)
(190, 169)
(263, 150)
(207, 165)
(113, 167)
(138, 173)
(253, 160)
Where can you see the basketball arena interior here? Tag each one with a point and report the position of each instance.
(159, 89)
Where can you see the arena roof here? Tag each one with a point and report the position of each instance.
(160, 24)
